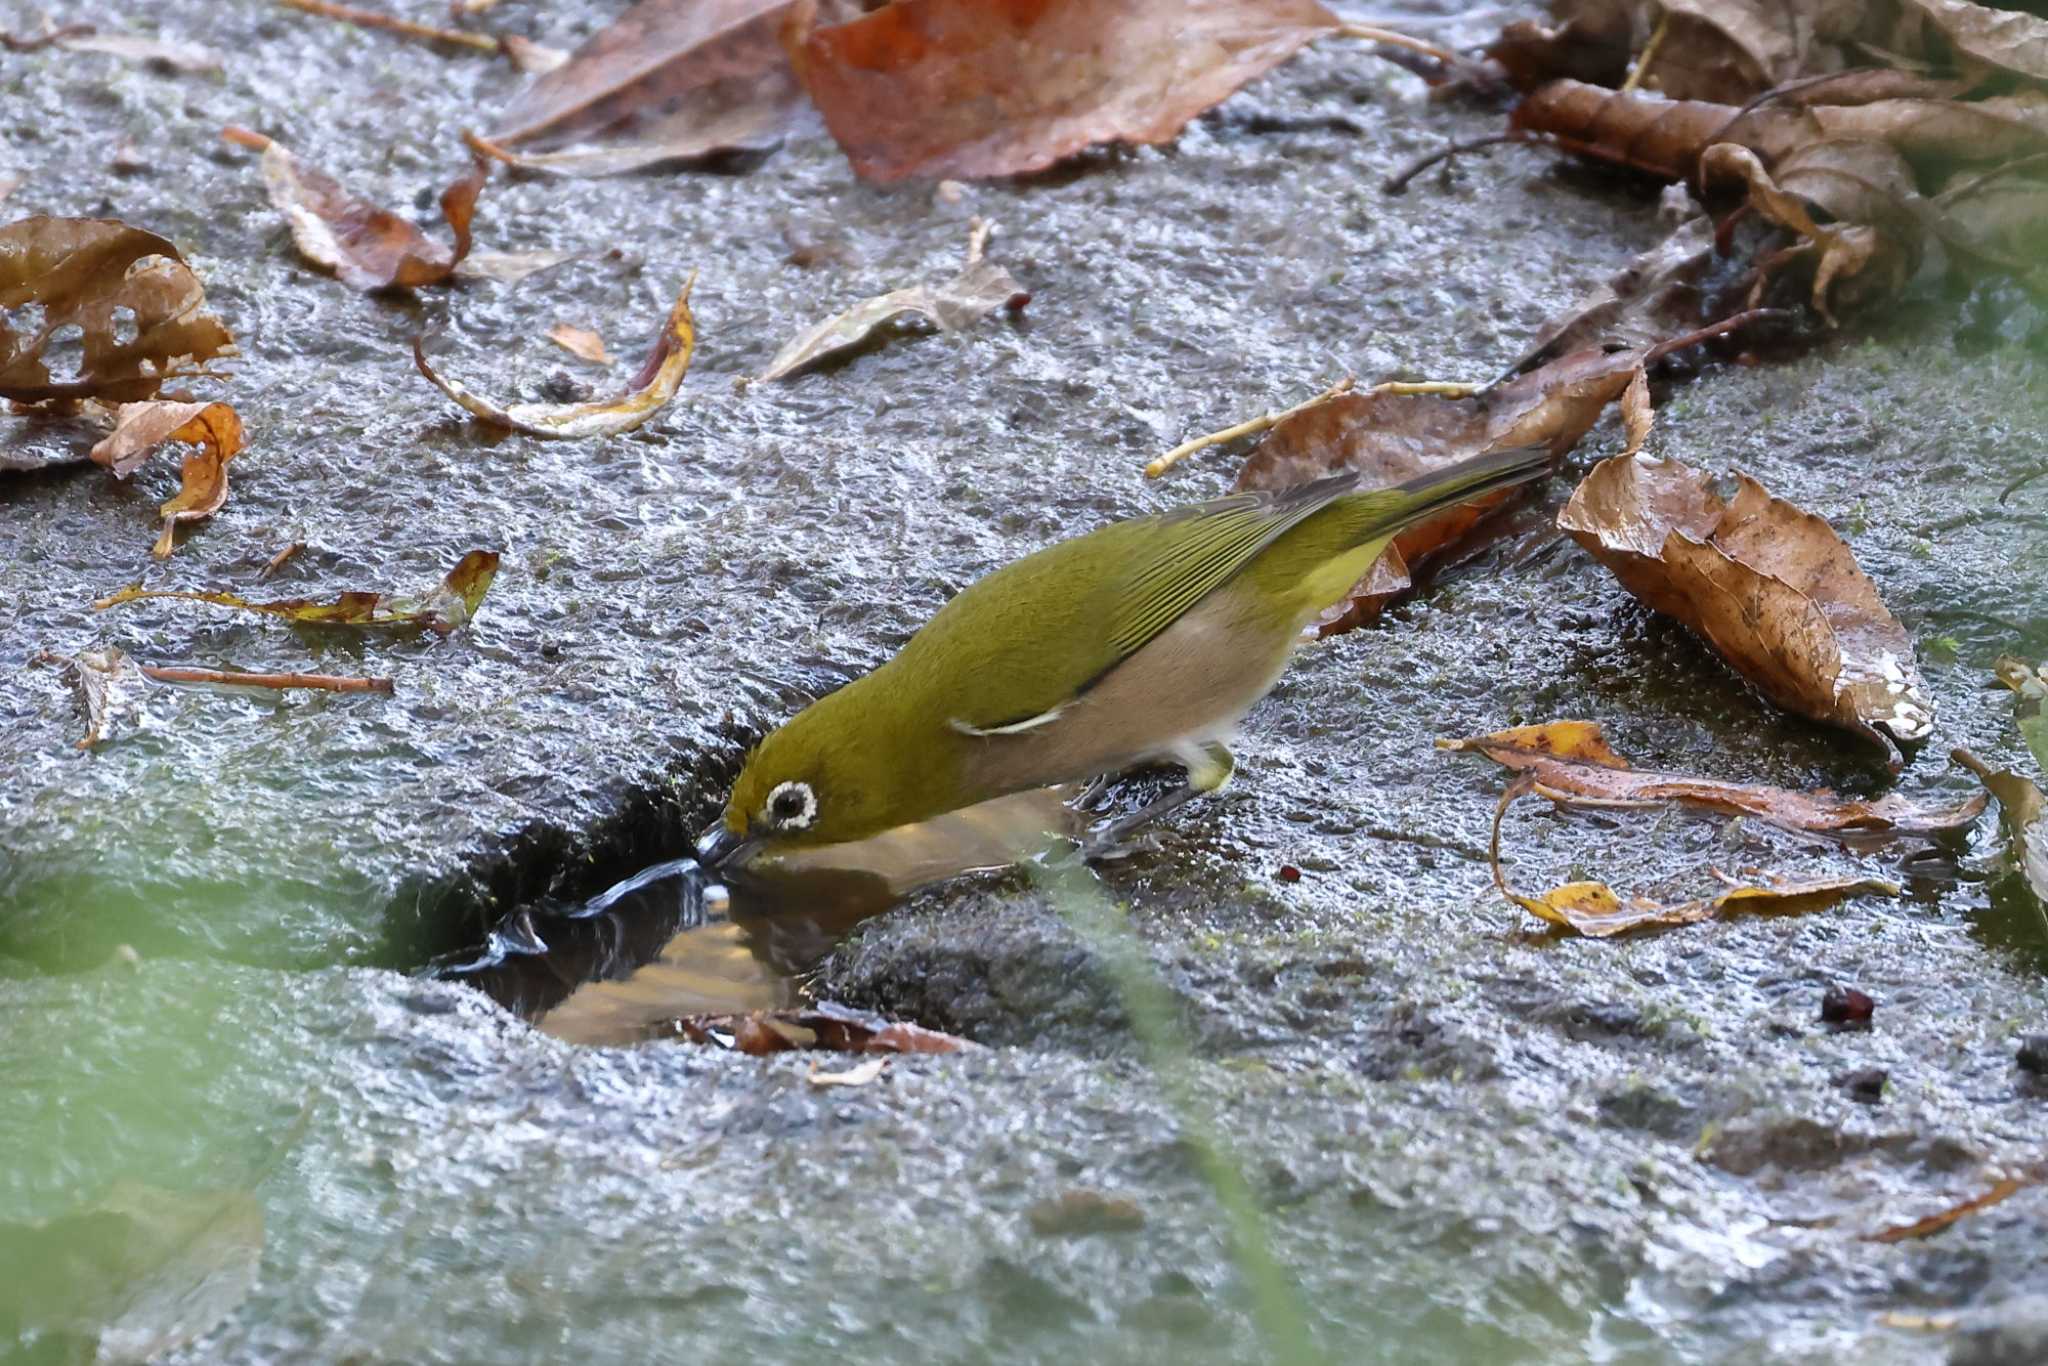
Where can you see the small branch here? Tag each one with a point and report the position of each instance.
(277, 560)
(1442, 388)
(1711, 331)
(1257, 424)
(1642, 66)
(236, 678)
(2016, 485)
(1387, 37)
(1398, 182)
(363, 18)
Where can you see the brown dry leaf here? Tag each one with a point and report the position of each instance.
(1861, 188)
(1771, 588)
(1660, 137)
(669, 80)
(1595, 911)
(140, 309)
(825, 1025)
(1935, 1223)
(2024, 812)
(140, 428)
(368, 248)
(2003, 38)
(580, 342)
(1390, 437)
(972, 88)
(171, 55)
(1571, 762)
(978, 290)
(102, 678)
(653, 387)
(448, 606)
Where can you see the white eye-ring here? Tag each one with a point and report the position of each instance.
(791, 806)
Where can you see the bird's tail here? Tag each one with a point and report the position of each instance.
(1414, 499)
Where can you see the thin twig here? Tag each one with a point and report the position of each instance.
(1711, 331)
(1398, 182)
(1389, 38)
(277, 560)
(1642, 66)
(2016, 485)
(1442, 388)
(1257, 424)
(363, 18)
(322, 682)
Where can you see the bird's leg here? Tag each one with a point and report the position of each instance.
(1209, 768)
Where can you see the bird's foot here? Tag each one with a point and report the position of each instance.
(1108, 841)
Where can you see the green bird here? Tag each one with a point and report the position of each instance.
(1141, 641)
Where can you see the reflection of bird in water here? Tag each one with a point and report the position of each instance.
(669, 941)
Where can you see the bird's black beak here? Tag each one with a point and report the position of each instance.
(719, 847)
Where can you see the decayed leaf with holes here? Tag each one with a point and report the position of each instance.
(140, 310)
(134, 1275)
(668, 80)
(447, 607)
(367, 247)
(659, 378)
(1389, 437)
(1861, 187)
(213, 428)
(972, 88)
(978, 290)
(1770, 587)
(103, 679)
(1570, 762)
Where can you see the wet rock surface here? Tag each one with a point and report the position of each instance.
(1471, 1144)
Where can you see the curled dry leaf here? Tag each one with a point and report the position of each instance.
(653, 387)
(140, 309)
(978, 290)
(140, 428)
(367, 247)
(447, 607)
(580, 342)
(102, 678)
(1860, 188)
(1771, 588)
(973, 88)
(669, 80)
(1571, 762)
(2024, 812)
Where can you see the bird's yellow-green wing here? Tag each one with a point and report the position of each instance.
(1194, 551)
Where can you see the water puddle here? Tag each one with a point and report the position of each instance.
(676, 939)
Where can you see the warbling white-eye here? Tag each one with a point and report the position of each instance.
(1140, 641)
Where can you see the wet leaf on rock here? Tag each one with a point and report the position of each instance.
(143, 1271)
(646, 395)
(826, 1025)
(2024, 812)
(447, 607)
(978, 290)
(1594, 910)
(126, 295)
(102, 678)
(1571, 761)
(668, 80)
(140, 428)
(367, 248)
(580, 342)
(973, 88)
(1935, 1223)
(1770, 587)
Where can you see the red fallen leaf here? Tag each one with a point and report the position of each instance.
(1571, 762)
(668, 80)
(368, 248)
(84, 273)
(446, 607)
(1769, 586)
(140, 428)
(972, 88)
(659, 378)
